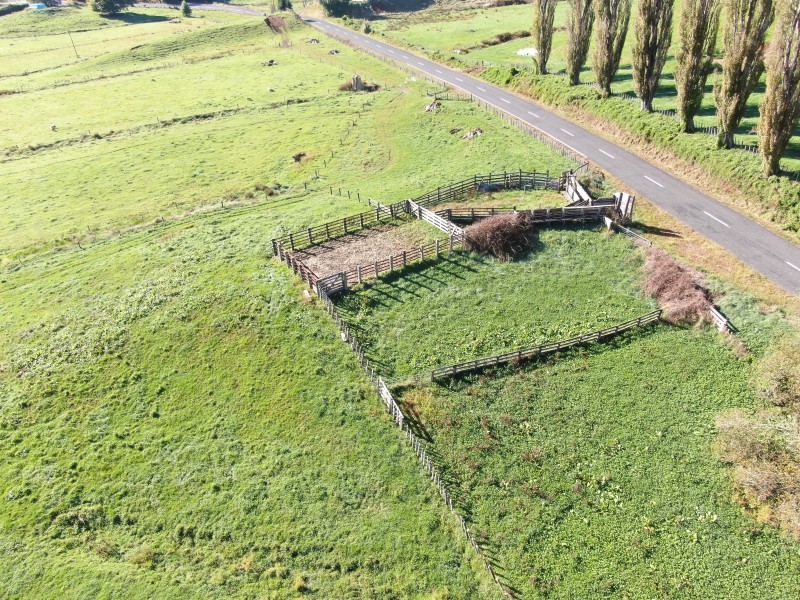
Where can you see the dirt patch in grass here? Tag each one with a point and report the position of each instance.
(365, 246)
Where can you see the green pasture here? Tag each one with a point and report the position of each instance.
(593, 473)
(574, 280)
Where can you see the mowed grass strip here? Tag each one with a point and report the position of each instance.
(594, 473)
(575, 280)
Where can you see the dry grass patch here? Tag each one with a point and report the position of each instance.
(366, 246)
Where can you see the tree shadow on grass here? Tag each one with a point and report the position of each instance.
(659, 231)
(137, 18)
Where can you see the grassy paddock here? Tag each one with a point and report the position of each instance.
(466, 306)
(593, 473)
(174, 418)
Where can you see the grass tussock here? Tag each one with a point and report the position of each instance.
(765, 446)
(503, 236)
(677, 288)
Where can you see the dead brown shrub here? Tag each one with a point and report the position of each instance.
(504, 236)
(765, 449)
(779, 372)
(677, 288)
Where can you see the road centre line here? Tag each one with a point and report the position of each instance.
(793, 266)
(534, 115)
(716, 219)
(506, 101)
(653, 181)
(606, 153)
(567, 132)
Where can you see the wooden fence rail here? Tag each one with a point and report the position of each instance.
(529, 353)
(506, 180)
(434, 219)
(419, 446)
(540, 215)
(431, 251)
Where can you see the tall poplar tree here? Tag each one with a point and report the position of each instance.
(579, 34)
(698, 42)
(745, 30)
(610, 29)
(653, 36)
(780, 110)
(544, 12)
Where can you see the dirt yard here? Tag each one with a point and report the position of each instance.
(366, 246)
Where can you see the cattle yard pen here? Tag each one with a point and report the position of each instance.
(447, 220)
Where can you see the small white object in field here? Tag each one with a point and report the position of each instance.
(527, 52)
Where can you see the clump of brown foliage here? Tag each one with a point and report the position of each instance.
(677, 288)
(765, 447)
(504, 236)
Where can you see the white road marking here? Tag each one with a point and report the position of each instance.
(390, 51)
(481, 89)
(606, 153)
(716, 219)
(534, 115)
(459, 79)
(793, 266)
(438, 71)
(567, 132)
(653, 181)
(422, 64)
(506, 101)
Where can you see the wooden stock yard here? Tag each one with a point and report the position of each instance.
(286, 247)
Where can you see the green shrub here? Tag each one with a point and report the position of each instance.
(110, 7)
(11, 8)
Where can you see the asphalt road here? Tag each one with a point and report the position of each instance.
(768, 253)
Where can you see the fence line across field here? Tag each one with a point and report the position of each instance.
(381, 214)
(419, 446)
(542, 349)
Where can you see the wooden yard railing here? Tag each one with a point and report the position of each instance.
(536, 351)
(312, 236)
(507, 180)
(434, 219)
(721, 321)
(576, 193)
(540, 215)
(339, 282)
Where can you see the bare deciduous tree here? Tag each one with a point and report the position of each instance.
(544, 12)
(698, 41)
(653, 36)
(611, 28)
(780, 110)
(745, 30)
(579, 34)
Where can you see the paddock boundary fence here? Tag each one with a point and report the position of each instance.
(524, 354)
(419, 446)
(381, 214)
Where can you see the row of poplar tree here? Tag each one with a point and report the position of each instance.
(745, 57)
